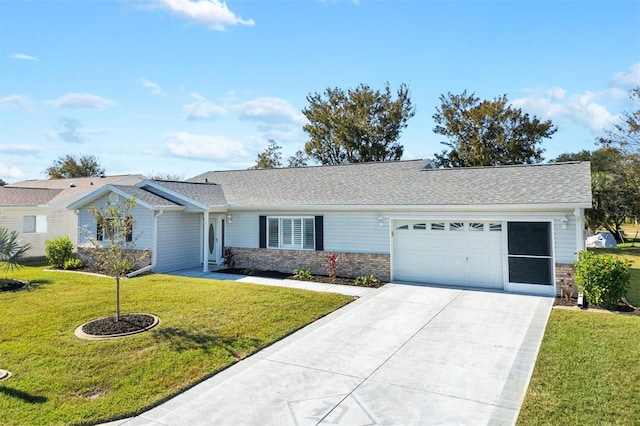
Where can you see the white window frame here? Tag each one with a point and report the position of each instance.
(291, 236)
(40, 224)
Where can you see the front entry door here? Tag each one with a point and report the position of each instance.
(214, 241)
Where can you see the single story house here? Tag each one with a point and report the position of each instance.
(37, 208)
(516, 228)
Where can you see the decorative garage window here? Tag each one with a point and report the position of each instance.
(291, 232)
(437, 226)
(420, 226)
(495, 227)
(34, 224)
(530, 253)
(456, 226)
(403, 227)
(475, 226)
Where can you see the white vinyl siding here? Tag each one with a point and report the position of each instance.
(142, 229)
(565, 240)
(179, 239)
(356, 233)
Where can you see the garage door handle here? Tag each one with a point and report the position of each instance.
(467, 258)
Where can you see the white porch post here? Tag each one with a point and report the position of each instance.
(579, 215)
(205, 243)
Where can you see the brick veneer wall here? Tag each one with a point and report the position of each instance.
(89, 257)
(565, 279)
(350, 265)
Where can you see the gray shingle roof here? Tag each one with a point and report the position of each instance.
(205, 193)
(10, 196)
(405, 183)
(145, 196)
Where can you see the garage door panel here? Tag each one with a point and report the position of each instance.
(465, 256)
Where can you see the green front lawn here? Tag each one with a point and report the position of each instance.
(587, 372)
(206, 326)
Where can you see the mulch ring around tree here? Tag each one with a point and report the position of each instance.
(109, 328)
(622, 307)
(324, 279)
(12, 285)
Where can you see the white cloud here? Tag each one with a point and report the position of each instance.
(189, 145)
(629, 78)
(10, 172)
(154, 88)
(269, 110)
(582, 109)
(212, 13)
(203, 109)
(81, 100)
(15, 102)
(24, 57)
(20, 149)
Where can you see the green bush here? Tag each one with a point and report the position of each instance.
(603, 279)
(366, 280)
(58, 251)
(302, 274)
(71, 264)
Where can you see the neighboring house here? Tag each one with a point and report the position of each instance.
(517, 228)
(37, 208)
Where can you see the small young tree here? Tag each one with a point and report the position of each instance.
(11, 250)
(114, 245)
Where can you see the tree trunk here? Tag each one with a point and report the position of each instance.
(117, 299)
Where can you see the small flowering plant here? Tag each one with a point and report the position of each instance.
(332, 267)
(603, 279)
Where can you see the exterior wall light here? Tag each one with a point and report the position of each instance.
(564, 221)
(380, 220)
(229, 219)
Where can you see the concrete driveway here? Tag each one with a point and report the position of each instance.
(400, 355)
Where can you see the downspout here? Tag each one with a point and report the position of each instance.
(154, 245)
(205, 237)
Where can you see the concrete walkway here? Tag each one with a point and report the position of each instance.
(401, 355)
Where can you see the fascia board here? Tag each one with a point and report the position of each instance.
(416, 208)
(168, 191)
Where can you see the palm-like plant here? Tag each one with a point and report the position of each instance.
(11, 250)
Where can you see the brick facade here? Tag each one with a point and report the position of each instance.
(89, 257)
(565, 279)
(350, 265)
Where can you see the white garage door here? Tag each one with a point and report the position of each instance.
(448, 252)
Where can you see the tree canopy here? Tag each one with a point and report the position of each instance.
(487, 133)
(615, 186)
(625, 133)
(271, 158)
(72, 166)
(358, 125)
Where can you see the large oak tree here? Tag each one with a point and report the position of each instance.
(359, 125)
(487, 133)
(72, 166)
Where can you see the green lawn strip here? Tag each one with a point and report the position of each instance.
(206, 326)
(631, 253)
(587, 371)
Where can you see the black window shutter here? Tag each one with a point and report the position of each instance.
(319, 223)
(263, 231)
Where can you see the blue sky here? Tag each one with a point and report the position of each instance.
(183, 87)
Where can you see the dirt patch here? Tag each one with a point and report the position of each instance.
(324, 279)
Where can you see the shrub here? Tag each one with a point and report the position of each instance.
(228, 258)
(332, 267)
(603, 279)
(72, 264)
(58, 251)
(251, 270)
(302, 274)
(365, 280)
